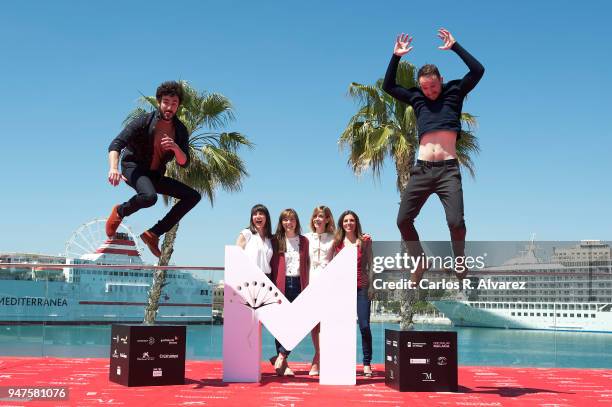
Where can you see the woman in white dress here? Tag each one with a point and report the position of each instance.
(321, 240)
(256, 239)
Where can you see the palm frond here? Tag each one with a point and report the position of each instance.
(232, 141)
(467, 147)
(133, 115)
(406, 75)
(469, 121)
(149, 101)
(376, 148)
(370, 99)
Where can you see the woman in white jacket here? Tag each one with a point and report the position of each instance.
(256, 239)
(321, 239)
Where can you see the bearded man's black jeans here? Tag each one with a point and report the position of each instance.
(148, 184)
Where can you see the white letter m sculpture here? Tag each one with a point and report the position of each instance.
(250, 298)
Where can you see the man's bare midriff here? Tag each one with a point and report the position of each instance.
(438, 145)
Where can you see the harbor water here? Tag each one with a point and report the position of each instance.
(477, 346)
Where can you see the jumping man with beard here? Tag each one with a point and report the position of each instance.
(146, 145)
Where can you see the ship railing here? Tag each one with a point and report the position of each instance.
(61, 266)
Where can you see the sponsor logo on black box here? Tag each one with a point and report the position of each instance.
(442, 361)
(417, 361)
(145, 356)
(150, 341)
(416, 344)
(170, 341)
(168, 356)
(441, 344)
(157, 372)
(427, 377)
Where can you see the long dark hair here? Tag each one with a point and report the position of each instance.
(279, 236)
(260, 208)
(341, 234)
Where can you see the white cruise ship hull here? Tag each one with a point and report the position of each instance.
(28, 302)
(465, 313)
(99, 294)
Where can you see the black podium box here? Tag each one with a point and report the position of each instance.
(421, 360)
(147, 355)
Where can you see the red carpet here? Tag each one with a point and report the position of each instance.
(87, 380)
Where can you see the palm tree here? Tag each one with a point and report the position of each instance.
(215, 162)
(384, 127)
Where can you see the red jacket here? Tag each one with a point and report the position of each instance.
(363, 252)
(279, 268)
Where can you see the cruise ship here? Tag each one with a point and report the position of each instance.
(570, 292)
(72, 293)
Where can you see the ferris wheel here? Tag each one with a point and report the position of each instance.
(91, 235)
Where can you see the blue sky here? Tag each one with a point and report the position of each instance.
(71, 71)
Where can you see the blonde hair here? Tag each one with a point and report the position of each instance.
(329, 226)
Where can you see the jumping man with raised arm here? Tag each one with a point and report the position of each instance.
(437, 106)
